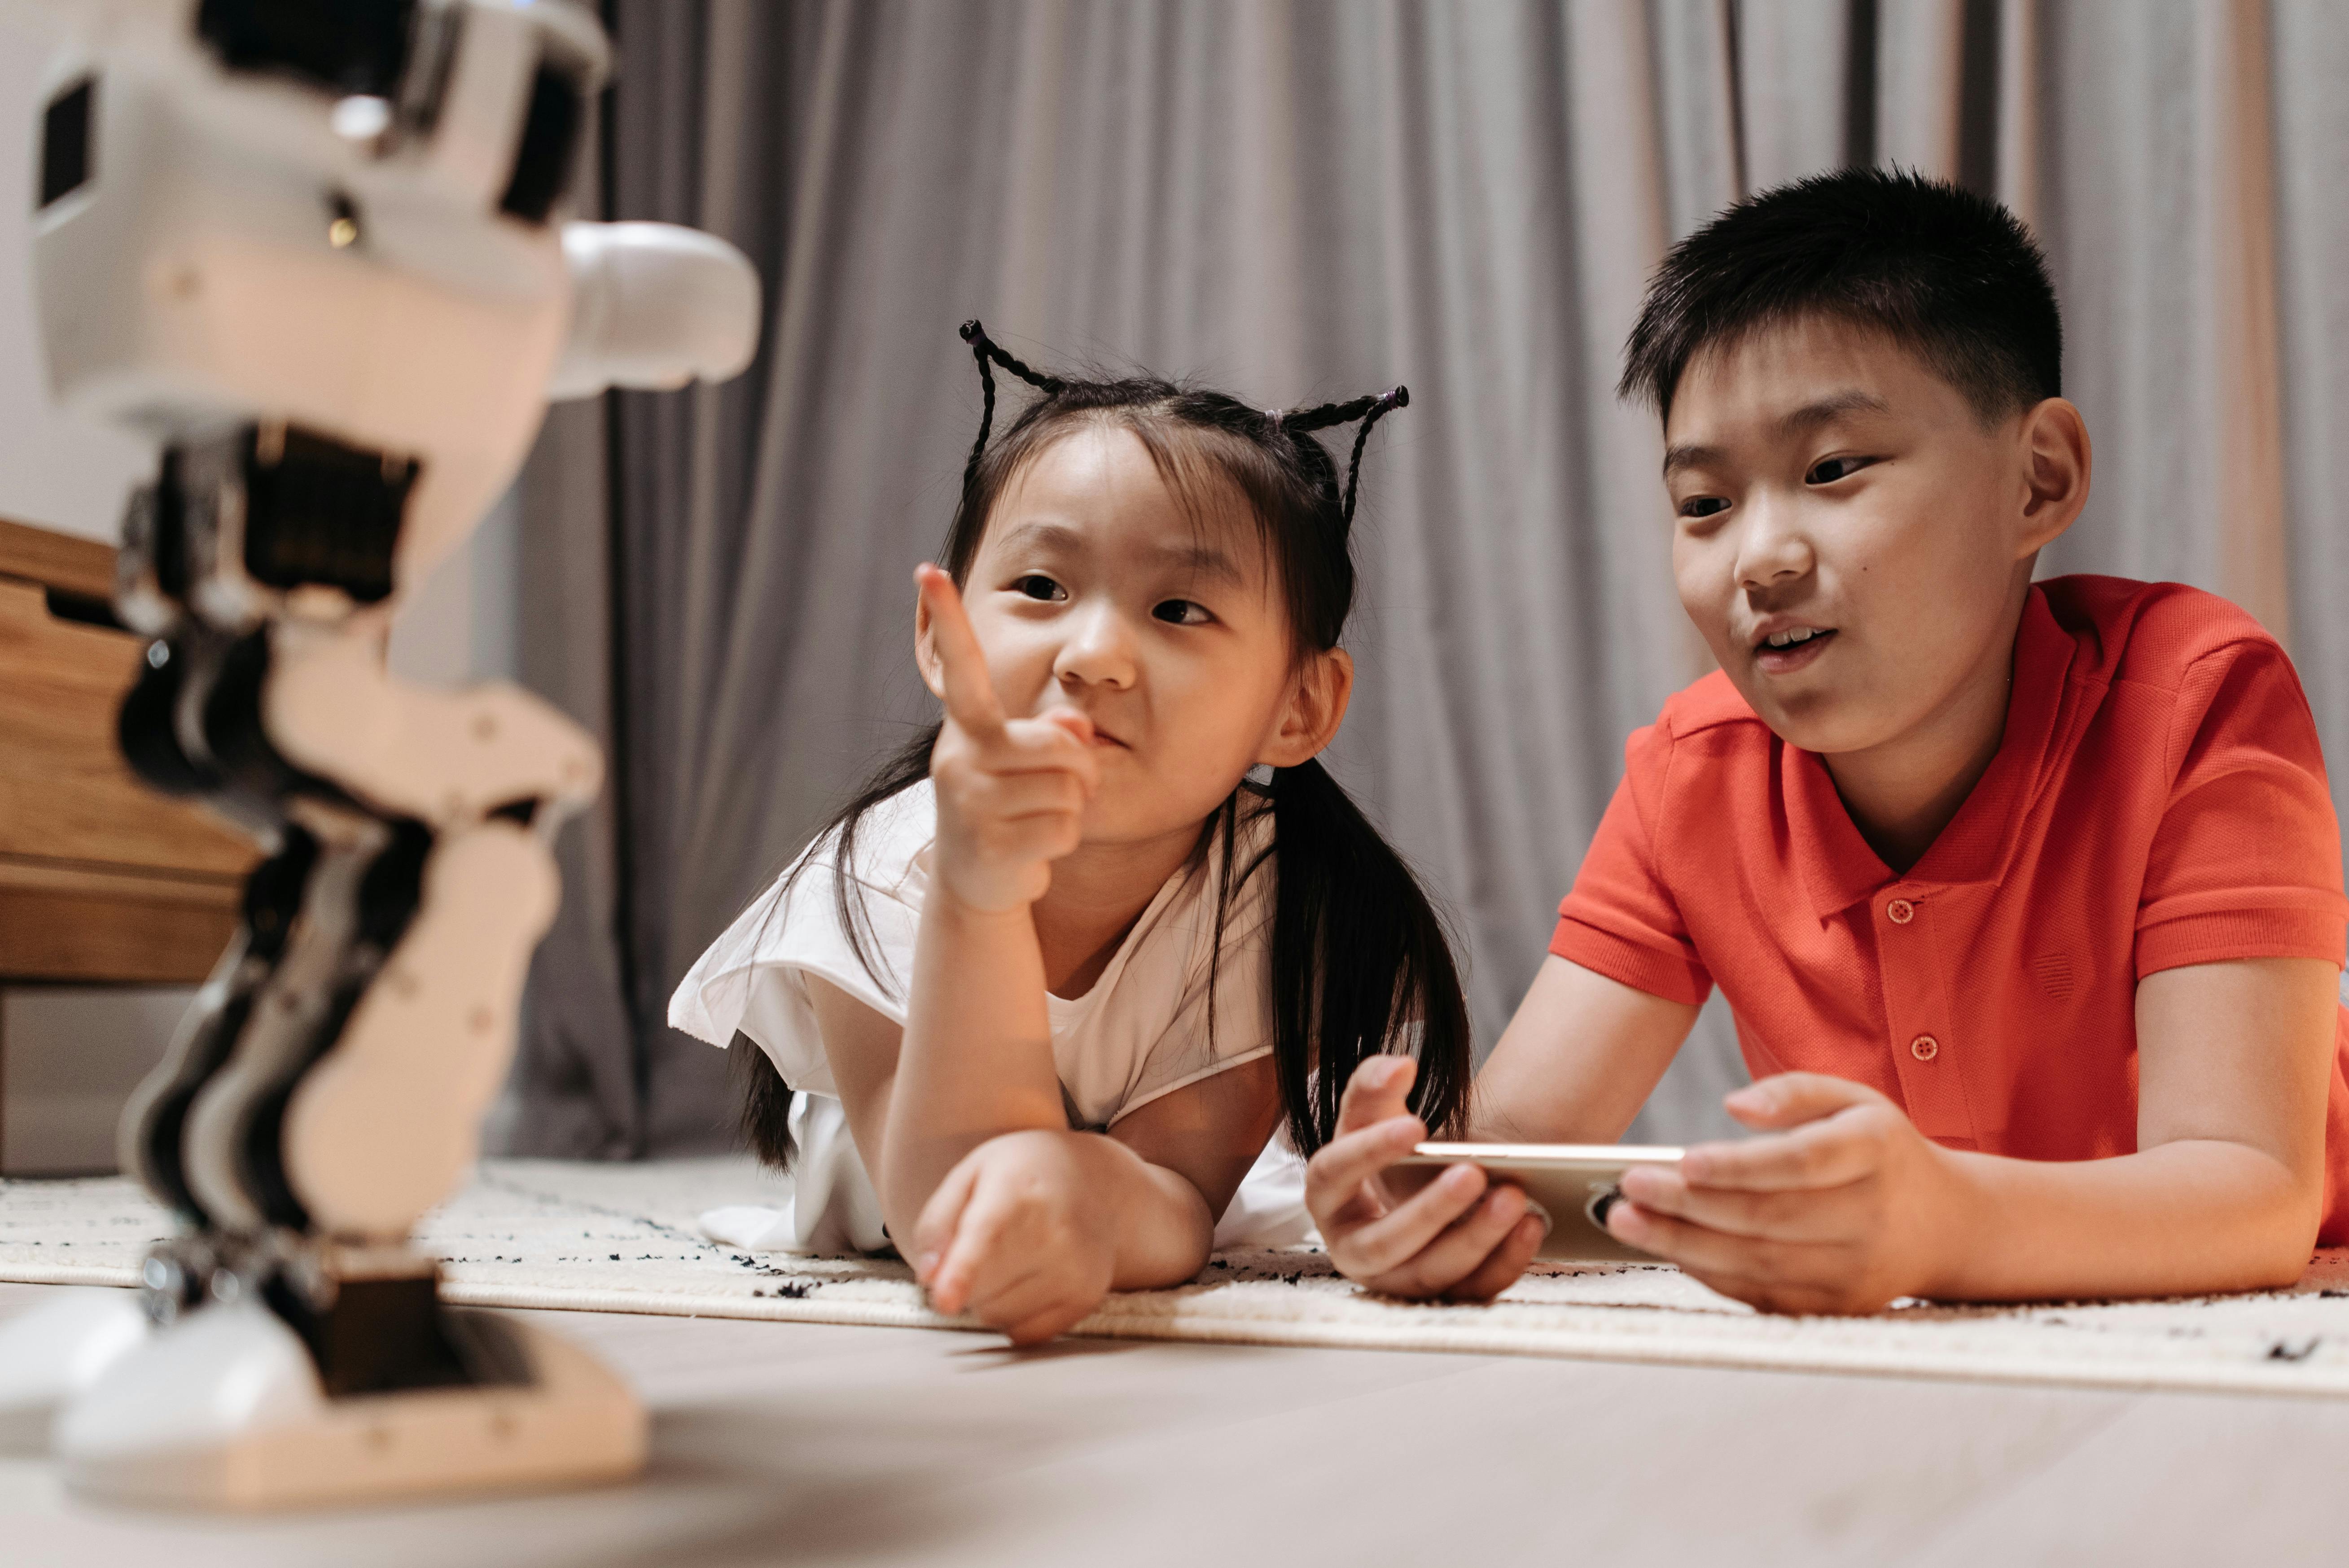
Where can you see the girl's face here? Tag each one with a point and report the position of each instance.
(1095, 590)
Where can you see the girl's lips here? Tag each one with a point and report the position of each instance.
(1773, 661)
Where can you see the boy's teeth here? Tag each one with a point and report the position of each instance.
(1788, 639)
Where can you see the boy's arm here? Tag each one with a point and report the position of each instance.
(1849, 1206)
(1574, 1066)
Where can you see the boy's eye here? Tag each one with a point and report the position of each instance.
(1039, 587)
(1182, 612)
(1703, 506)
(1827, 471)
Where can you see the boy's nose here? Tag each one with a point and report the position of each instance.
(1771, 547)
(1098, 651)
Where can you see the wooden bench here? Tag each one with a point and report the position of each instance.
(101, 878)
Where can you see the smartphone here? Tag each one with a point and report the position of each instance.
(1572, 1184)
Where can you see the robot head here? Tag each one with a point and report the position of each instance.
(311, 247)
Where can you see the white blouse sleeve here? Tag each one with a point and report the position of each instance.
(752, 979)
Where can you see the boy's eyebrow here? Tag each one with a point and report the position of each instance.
(1831, 408)
(1688, 456)
(1809, 417)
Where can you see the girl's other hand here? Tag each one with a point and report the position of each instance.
(1011, 792)
(1413, 1232)
(1016, 1235)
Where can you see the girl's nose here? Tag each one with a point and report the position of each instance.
(1098, 649)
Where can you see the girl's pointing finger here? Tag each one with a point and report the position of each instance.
(960, 679)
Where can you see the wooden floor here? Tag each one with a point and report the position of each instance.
(787, 1442)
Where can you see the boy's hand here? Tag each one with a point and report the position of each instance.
(1850, 1208)
(1018, 1236)
(1011, 792)
(1410, 1233)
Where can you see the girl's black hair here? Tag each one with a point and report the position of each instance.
(1360, 961)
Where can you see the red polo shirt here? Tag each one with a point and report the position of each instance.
(2159, 800)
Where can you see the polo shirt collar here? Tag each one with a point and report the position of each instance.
(1840, 870)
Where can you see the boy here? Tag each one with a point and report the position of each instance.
(2027, 899)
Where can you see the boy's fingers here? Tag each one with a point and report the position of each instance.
(961, 680)
(1831, 1153)
(1708, 1251)
(1808, 1215)
(1789, 1099)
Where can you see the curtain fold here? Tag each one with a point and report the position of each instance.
(1313, 200)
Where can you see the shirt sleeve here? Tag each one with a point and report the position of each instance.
(1621, 920)
(753, 978)
(2246, 863)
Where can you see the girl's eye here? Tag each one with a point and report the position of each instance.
(1828, 470)
(1183, 613)
(1039, 587)
(1703, 506)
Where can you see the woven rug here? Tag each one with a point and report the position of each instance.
(621, 1238)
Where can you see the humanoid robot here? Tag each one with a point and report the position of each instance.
(314, 249)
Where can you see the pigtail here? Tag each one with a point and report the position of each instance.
(1369, 410)
(984, 349)
(1360, 963)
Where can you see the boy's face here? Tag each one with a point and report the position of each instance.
(1850, 538)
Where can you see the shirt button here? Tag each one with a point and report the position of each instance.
(1900, 912)
(1924, 1047)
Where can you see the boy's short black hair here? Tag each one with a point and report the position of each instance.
(1952, 277)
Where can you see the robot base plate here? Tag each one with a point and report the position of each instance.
(224, 1412)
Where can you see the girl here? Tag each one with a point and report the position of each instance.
(1043, 991)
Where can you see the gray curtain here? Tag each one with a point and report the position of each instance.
(1312, 199)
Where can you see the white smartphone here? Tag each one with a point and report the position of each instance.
(1572, 1184)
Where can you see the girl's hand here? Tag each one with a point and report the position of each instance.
(1012, 791)
(1850, 1208)
(1017, 1235)
(1414, 1232)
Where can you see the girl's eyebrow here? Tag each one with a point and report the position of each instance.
(1059, 538)
(1038, 533)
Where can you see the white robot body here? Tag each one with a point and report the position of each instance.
(313, 249)
(228, 255)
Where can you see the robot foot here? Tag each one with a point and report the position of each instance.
(383, 1394)
(54, 1351)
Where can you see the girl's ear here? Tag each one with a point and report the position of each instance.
(926, 646)
(1316, 707)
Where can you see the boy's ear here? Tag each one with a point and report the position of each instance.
(2057, 461)
(1316, 707)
